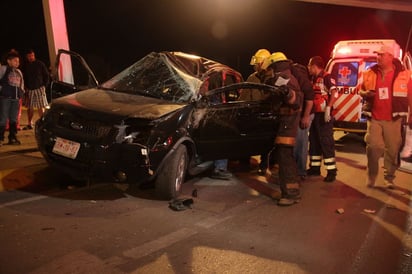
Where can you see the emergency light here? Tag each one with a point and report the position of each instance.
(364, 48)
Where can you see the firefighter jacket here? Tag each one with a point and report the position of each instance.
(253, 94)
(401, 80)
(289, 113)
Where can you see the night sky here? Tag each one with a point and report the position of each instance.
(112, 35)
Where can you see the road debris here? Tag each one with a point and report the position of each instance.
(390, 206)
(48, 229)
(370, 211)
(340, 211)
(181, 204)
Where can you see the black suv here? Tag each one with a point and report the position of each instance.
(168, 115)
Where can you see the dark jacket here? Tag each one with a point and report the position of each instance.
(12, 84)
(35, 74)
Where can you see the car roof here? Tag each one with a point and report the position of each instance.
(195, 65)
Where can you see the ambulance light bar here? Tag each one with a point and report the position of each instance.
(364, 48)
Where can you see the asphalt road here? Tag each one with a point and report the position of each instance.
(50, 225)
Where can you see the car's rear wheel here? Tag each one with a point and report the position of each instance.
(172, 175)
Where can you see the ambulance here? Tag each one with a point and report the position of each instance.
(348, 60)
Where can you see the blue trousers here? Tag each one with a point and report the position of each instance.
(300, 150)
(9, 110)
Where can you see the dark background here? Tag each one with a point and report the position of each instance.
(112, 35)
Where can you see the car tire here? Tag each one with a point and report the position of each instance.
(172, 174)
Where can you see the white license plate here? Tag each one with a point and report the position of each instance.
(66, 148)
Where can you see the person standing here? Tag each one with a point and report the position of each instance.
(322, 143)
(258, 76)
(36, 78)
(289, 117)
(12, 89)
(300, 150)
(387, 90)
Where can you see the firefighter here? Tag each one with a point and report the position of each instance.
(279, 68)
(256, 77)
(321, 141)
(387, 90)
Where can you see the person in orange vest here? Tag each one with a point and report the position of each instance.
(387, 90)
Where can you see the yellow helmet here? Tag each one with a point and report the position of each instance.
(273, 58)
(259, 56)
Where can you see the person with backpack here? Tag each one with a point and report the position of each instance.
(12, 90)
(322, 143)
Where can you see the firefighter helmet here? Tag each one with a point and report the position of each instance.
(273, 58)
(259, 56)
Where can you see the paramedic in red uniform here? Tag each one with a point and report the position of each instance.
(387, 90)
(321, 142)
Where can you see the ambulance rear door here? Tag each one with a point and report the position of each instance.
(348, 107)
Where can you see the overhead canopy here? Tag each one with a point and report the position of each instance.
(397, 5)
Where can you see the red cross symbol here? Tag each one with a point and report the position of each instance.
(345, 72)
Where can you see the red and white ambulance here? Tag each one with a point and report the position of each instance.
(348, 60)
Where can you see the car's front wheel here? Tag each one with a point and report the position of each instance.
(172, 174)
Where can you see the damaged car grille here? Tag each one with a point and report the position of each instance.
(90, 128)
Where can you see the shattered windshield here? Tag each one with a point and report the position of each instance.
(155, 76)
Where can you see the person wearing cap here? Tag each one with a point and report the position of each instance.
(321, 141)
(387, 91)
(11, 91)
(289, 115)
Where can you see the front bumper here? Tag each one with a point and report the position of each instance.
(114, 162)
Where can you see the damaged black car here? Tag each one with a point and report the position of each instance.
(163, 118)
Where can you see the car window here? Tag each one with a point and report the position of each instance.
(155, 76)
(71, 70)
(231, 95)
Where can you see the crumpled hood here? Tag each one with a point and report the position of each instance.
(120, 104)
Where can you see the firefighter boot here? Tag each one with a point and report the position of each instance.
(331, 176)
(313, 171)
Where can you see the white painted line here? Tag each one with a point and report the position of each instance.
(23, 201)
(212, 221)
(184, 233)
(160, 243)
